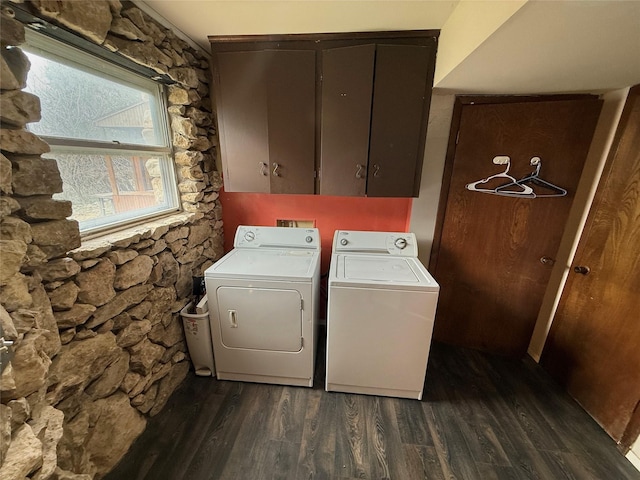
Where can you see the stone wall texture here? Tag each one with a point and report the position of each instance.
(98, 340)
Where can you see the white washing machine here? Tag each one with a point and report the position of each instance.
(380, 314)
(263, 301)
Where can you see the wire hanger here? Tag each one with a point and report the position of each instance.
(534, 178)
(526, 191)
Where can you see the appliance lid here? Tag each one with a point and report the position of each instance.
(277, 237)
(274, 264)
(381, 243)
(380, 271)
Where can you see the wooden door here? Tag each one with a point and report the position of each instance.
(347, 87)
(291, 108)
(401, 98)
(593, 347)
(487, 257)
(266, 109)
(241, 98)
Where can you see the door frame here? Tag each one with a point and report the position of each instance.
(601, 144)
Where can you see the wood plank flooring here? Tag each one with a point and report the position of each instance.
(482, 417)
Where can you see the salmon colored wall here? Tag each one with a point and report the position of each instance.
(329, 213)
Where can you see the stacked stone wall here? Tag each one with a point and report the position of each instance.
(98, 341)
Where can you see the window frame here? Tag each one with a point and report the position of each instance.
(73, 57)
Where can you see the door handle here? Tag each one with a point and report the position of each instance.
(263, 169)
(376, 170)
(582, 269)
(275, 170)
(359, 171)
(547, 261)
(233, 321)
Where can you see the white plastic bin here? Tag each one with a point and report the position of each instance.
(198, 334)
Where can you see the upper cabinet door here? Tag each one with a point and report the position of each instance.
(266, 115)
(291, 115)
(352, 107)
(401, 98)
(242, 120)
(347, 86)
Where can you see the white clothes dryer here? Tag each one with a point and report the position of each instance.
(263, 301)
(380, 314)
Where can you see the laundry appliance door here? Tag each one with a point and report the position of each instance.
(260, 318)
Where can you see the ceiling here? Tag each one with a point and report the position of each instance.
(490, 47)
(240, 17)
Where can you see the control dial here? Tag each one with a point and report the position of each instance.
(309, 239)
(249, 236)
(400, 243)
(344, 241)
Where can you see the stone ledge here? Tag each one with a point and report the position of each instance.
(105, 241)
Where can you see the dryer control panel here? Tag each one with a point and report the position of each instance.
(382, 243)
(277, 237)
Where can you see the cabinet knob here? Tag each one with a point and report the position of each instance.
(263, 169)
(276, 173)
(359, 171)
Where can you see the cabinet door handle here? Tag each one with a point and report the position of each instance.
(275, 170)
(376, 170)
(359, 171)
(263, 169)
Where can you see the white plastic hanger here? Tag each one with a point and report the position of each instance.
(526, 191)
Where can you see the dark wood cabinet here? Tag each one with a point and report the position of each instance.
(266, 120)
(347, 90)
(334, 114)
(401, 99)
(375, 104)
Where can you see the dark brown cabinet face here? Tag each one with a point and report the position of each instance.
(375, 102)
(401, 97)
(347, 89)
(266, 116)
(334, 114)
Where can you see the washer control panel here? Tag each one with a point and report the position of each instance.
(382, 243)
(277, 237)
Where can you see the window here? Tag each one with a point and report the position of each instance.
(107, 129)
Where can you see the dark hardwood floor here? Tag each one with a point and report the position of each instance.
(482, 417)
